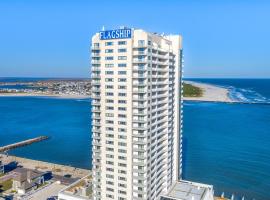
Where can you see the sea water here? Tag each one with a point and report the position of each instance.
(227, 145)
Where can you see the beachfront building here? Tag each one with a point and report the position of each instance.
(186, 190)
(26, 180)
(136, 106)
(79, 190)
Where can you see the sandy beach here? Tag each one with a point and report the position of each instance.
(64, 96)
(210, 93)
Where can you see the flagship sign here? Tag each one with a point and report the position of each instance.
(115, 34)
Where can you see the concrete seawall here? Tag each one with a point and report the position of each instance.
(23, 143)
(45, 166)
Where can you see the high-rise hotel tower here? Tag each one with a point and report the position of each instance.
(136, 104)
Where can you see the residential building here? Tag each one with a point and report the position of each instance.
(25, 180)
(186, 190)
(2, 167)
(79, 190)
(136, 106)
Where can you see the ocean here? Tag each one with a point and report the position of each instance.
(224, 144)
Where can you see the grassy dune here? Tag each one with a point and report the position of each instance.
(192, 91)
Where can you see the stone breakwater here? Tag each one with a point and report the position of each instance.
(56, 169)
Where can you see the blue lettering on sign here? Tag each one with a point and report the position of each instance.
(115, 34)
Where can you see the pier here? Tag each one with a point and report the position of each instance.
(23, 143)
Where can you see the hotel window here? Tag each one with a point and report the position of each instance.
(109, 114)
(122, 130)
(109, 121)
(141, 50)
(109, 86)
(122, 72)
(109, 142)
(108, 65)
(122, 123)
(122, 65)
(121, 94)
(109, 182)
(109, 189)
(109, 129)
(109, 162)
(108, 43)
(109, 94)
(108, 50)
(96, 44)
(122, 116)
(122, 50)
(109, 135)
(109, 196)
(122, 43)
(122, 151)
(109, 72)
(120, 177)
(122, 185)
(109, 58)
(122, 57)
(122, 108)
(122, 165)
(122, 137)
(122, 144)
(109, 175)
(141, 42)
(122, 192)
(109, 156)
(122, 158)
(109, 108)
(109, 80)
(122, 79)
(109, 101)
(122, 87)
(109, 149)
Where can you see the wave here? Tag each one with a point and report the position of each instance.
(246, 95)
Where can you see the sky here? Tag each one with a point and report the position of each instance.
(221, 39)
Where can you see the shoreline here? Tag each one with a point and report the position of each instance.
(61, 96)
(44, 166)
(211, 93)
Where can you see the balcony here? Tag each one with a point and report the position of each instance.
(95, 69)
(139, 68)
(140, 60)
(95, 96)
(95, 54)
(95, 129)
(95, 75)
(139, 90)
(95, 61)
(96, 109)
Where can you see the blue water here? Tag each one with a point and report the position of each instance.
(243, 90)
(66, 121)
(227, 145)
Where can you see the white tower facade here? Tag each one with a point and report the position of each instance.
(136, 106)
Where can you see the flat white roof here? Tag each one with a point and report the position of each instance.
(186, 190)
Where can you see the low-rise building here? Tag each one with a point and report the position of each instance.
(186, 190)
(79, 190)
(27, 179)
(2, 167)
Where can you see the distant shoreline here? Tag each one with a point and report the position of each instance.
(211, 93)
(61, 96)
